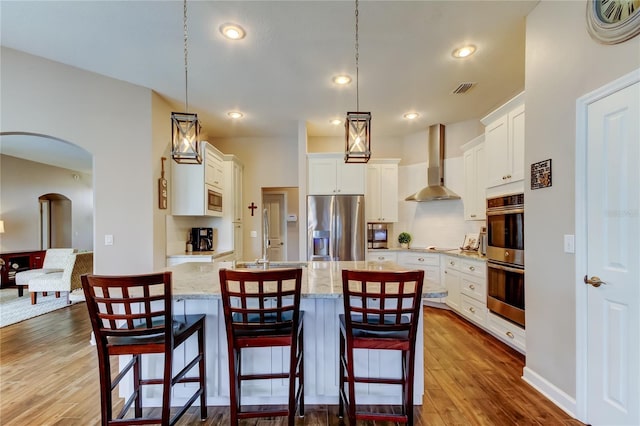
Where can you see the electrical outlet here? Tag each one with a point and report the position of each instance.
(108, 240)
(254, 234)
(569, 243)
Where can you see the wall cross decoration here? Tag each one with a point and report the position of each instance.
(252, 206)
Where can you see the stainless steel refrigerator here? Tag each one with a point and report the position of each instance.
(336, 228)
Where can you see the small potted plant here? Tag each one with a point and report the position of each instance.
(404, 239)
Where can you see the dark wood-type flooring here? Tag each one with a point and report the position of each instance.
(49, 376)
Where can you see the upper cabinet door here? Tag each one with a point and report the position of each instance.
(504, 143)
(330, 175)
(381, 202)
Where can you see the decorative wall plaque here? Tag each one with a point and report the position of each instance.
(541, 174)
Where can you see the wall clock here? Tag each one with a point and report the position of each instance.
(613, 21)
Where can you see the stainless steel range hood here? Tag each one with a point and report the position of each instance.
(435, 172)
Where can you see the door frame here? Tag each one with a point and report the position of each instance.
(582, 105)
(283, 218)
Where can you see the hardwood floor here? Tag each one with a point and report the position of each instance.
(49, 376)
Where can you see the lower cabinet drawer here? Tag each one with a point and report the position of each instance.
(474, 310)
(507, 332)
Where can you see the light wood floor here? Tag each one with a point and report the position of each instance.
(49, 376)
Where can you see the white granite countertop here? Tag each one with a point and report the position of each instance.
(448, 251)
(194, 280)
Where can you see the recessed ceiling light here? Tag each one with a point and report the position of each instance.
(464, 51)
(235, 114)
(411, 115)
(335, 121)
(232, 31)
(342, 79)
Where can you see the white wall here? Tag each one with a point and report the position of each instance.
(562, 64)
(21, 183)
(113, 121)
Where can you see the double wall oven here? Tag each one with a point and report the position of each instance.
(505, 257)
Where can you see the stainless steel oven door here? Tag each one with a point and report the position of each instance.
(505, 236)
(505, 291)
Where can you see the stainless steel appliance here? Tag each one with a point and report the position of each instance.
(214, 200)
(202, 239)
(335, 227)
(505, 229)
(377, 235)
(505, 257)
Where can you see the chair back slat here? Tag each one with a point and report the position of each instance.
(266, 300)
(129, 306)
(382, 301)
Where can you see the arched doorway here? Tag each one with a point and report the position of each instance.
(55, 221)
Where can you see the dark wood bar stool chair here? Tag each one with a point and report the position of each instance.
(262, 309)
(132, 315)
(381, 311)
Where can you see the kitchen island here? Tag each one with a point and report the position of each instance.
(196, 289)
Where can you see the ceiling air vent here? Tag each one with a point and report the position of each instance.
(463, 88)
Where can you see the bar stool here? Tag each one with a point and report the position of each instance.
(381, 312)
(132, 315)
(262, 309)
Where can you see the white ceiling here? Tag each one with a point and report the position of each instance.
(281, 72)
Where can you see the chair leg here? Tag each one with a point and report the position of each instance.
(341, 377)
(409, 386)
(351, 402)
(106, 407)
(301, 376)
(137, 375)
(166, 388)
(202, 372)
(57, 295)
(34, 297)
(234, 397)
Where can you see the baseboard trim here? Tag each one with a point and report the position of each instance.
(551, 392)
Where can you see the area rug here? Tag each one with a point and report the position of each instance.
(14, 309)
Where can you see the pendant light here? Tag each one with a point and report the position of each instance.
(358, 124)
(185, 127)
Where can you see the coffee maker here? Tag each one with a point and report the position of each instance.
(202, 239)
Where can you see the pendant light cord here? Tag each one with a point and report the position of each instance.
(357, 60)
(186, 72)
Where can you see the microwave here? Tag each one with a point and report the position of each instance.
(377, 235)
(214, 201)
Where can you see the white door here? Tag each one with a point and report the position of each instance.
(613, 257)
(274, 203)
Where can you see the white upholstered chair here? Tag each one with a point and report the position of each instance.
(54, 261)
(67, 280)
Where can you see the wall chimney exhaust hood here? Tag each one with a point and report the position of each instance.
(435, 172)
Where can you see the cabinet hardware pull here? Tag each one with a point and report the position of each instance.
(472, 268)
(508, 176)
(421, 259)
(473, 215)
(472, 287)
(473, 311)
(380, 257)
(451, 262)
(509, 335)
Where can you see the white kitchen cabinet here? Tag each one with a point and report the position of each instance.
(381, 201)
(506, 331)
(452, 283)
(230, 230)
(380, 255)
(466, 282)
(190, 184)
(428, 262)
(475, 179)
(237, 241)
(504, 143)
(330, 175)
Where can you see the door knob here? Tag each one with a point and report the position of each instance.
(594, 281)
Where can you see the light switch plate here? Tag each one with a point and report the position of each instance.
(108, 240)
(569, 243)
(254, 234)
